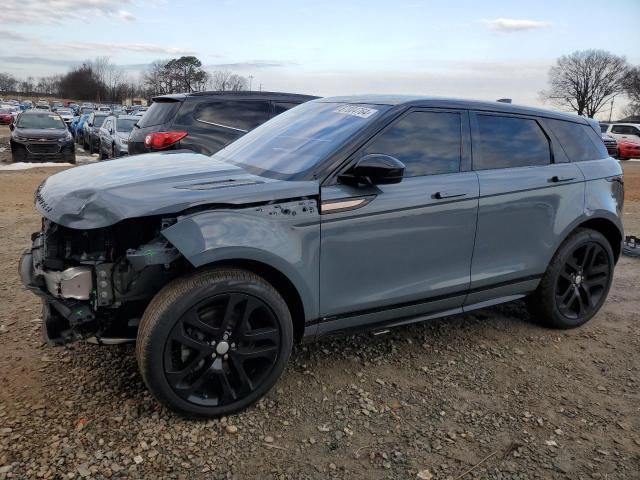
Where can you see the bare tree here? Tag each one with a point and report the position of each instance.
(226, 81)
(632, 90)
(586, 80)
(8, 83)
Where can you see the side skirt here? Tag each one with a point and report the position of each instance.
(389, 318)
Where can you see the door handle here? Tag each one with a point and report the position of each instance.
(560, 178)
(449, 194)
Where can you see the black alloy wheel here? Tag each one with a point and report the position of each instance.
(583, 280)
(221, 349)
(576, 282)
(214, 342)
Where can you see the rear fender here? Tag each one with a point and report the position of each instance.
(284, 236)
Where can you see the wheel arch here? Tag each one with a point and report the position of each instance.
(610, 231)
(605, 223)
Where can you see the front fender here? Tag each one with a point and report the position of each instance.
(284, 236)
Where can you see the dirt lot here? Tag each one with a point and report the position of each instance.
(486, 395)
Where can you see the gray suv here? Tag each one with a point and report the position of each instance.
(340, 214)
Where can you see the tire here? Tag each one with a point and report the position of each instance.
(576, 282)
(113, 151)
(186, 350)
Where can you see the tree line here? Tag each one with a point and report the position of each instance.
(101, 80)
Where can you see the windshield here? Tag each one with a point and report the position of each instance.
(40, 122)
(64, 111)
(125, 125)
(294, 142)
(99, 120)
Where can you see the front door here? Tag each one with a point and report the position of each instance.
(398, 250)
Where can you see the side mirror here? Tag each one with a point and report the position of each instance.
(11, 126)
(375, 169)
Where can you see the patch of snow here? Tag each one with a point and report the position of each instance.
(29, 165)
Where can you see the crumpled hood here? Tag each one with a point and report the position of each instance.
(101, 194)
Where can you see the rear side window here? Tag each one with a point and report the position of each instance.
(579, 142)
(428, 143)
(234, 115)
(159, 113)
(280, 107)
(508, 142)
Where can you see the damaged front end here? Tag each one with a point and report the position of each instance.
(96, 283)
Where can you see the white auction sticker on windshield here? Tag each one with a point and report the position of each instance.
(356, 111)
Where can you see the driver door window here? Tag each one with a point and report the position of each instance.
(428, 143)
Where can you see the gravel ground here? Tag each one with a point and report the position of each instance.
(484, 395)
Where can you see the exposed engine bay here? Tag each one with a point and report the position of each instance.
(96, 283)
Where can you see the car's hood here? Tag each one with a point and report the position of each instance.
(38, 133)
(101, 194)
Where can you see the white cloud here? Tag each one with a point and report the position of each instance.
(130, 47)
(123, 14)
(514, 24)
(12, 36)
(59, 11)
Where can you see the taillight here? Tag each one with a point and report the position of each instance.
(160, 140)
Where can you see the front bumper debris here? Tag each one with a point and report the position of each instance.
(67, 316)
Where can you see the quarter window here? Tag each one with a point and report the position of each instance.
(279, 107)
(508, 142)
(234, 115)
(428, 143)
(578, 141)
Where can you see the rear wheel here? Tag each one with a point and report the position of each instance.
(214, 342)
(576, 282)
(113, 151)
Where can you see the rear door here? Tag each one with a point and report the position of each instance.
(390, 251)
(528, 195)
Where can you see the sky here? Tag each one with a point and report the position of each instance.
(484, 49)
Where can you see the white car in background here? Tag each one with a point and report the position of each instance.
(66, 114)
(623, 131)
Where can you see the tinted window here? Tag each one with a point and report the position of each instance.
(577, 141)
(509, 142)
(233, 114)
(159, 113)
(427, 143)
(126, 125)
(98, 120)
(280, 107)
(604, 127)
(618, 129)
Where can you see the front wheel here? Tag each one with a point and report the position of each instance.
(214, 342)
(576, 282)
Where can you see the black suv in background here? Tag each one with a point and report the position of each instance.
(41, 136)
(205, 122)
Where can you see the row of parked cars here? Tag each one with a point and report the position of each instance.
(201, 122)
